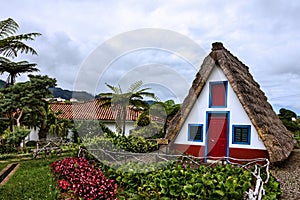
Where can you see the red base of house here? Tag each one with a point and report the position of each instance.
(195, 150)
(238, 153)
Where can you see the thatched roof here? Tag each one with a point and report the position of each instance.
(276, 138)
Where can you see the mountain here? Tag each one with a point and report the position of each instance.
(67, 94)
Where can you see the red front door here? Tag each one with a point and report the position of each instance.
(217, 134)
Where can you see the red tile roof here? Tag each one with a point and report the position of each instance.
(90, 110)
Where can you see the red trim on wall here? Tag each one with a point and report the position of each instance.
(239, 153)
(195, 150)
(247, 153)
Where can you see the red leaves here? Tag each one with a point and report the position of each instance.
(78, 175)
(63, 184)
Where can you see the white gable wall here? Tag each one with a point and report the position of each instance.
(237, 115)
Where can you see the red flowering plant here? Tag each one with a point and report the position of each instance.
(77, 175)
(64, 185)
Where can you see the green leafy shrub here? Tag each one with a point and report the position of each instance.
(179, 180)
(15, 137)
(153, 130)
(117, 142)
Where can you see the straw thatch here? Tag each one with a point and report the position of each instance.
(277, 139)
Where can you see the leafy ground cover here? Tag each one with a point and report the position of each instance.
(176, 180)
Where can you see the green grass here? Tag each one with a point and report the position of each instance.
(3, 165)
(33, 180)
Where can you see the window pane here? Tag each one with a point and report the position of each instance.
(241, 135)
(218, 94)
(195, 132)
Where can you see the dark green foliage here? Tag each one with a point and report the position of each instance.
(291, 122)
(151, 131)
(14, 138)
(134, 144)
(272, 189)
(14, 69)
(31, 143)
(286, 114)
(95, 134)
(27, 98)
(178, 180)
(4, 123)
(5, 149)
(147, 128)
(143, 119)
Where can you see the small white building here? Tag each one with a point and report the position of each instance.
(226, 114)
(91, 110)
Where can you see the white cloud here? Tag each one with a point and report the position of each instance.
(265, 35)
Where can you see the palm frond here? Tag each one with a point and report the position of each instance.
(4, 60)
(135, 86)
(106, 103)
(8, 27)
(14, 47)
(149, 95)
(16, 68)
(115, 89)
(26, 37)
(105, 94)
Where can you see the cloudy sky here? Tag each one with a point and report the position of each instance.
(265, 35)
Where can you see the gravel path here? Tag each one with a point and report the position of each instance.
(288, 174)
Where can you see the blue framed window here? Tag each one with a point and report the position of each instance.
(195, 132)
(218, 94)
(241, 134)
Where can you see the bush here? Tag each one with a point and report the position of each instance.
(153, 130)
(4, 149)
(79, 177)
(183, 180)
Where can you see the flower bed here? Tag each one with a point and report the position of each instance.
(79, 179)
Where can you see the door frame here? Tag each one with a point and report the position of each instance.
(227, 114)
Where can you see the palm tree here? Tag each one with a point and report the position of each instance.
(11, 44)
(14, 69)
(120, 101)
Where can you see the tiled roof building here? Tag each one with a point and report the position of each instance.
(90, 110)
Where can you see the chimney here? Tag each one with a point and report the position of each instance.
(217, 46)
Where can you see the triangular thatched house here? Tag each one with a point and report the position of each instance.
(226, 114)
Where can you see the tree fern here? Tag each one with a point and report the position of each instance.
(11, 44)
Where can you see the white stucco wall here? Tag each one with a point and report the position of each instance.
(111, 125)
(237, 115)
(33, 135)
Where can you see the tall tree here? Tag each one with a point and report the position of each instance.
(25, 98)
(48, 122)
(10, 43)
(119, 100)
(14, 69)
